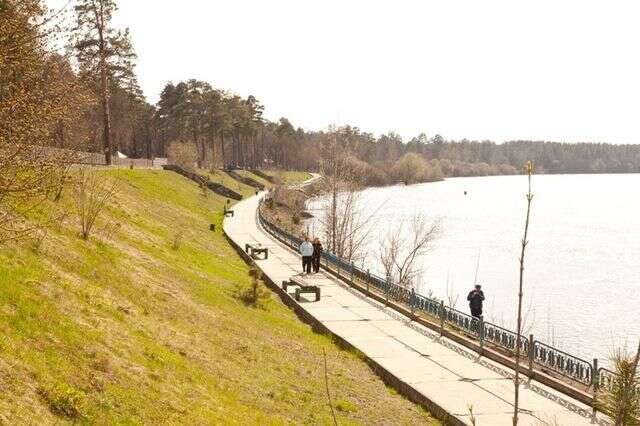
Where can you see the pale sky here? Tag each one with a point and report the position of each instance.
(562, 70)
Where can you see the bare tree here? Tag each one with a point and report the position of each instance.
(400, 250)
(38, 95)
(345, 226)
(529, 197)
(91, 192)
(452, 297)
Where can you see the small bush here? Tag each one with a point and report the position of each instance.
(183, 154)
(204, 189)
(65, 400)
(346, 406)
(177, 239)
(38, 241)
(256, 294)
(103, 363)
(91, 194)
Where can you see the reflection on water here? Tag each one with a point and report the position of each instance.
(582, 277)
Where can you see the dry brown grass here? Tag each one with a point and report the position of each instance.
(147, 334)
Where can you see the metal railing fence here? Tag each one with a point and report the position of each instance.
(538, 353)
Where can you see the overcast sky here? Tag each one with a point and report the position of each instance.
(563, 70)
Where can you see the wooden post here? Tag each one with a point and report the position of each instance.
(441, 318)
(411, 302)
(481, 335)
(388, 287)
(595, 380)
(531, 356)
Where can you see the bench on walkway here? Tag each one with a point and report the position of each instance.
(227, 212)
(254, 251)
(302, 288)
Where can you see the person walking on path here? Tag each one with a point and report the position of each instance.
(317, 253)
(475, 298)
(306, 251)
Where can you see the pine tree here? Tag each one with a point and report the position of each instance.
(106, 54)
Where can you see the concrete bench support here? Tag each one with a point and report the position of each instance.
(302, 288)
(254, 252)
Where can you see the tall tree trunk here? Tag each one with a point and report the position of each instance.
(135, 143)
(148, 139)
(106, 111)
(212, 144)
(60, 134)
(224, 164)
(204, 151)
(104, 81)
(261, 158)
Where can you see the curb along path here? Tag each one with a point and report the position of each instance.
(442, 375)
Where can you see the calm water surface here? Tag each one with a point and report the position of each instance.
(582, 278)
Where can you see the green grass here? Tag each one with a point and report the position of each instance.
(289, 177)
(257, 178)
(123, 329)
(223, 178)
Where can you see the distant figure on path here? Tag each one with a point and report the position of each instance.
(317, 253)
(475, 299)
(306, 251)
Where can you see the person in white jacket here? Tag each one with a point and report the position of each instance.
(306, 251)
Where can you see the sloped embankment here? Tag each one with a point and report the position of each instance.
(263, 175)
(142, 325)
(245, 179)
(202, 180)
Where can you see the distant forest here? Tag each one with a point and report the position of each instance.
(106, 111)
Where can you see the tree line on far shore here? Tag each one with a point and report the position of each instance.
(106, 111)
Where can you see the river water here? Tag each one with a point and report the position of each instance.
(582, 277)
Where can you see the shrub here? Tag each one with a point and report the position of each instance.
(346, 406)
(183, 154)
(410, 168)
(376, 177)
(177, 239)
(256, 294)
(434, 172)
(91, 192)
(65, 400)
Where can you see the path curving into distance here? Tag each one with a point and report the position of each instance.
(442, 375)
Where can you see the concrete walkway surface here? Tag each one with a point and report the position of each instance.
(448, 375)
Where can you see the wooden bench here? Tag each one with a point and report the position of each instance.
(254, 251)
(302, 288)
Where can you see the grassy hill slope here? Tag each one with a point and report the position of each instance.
(124, 328)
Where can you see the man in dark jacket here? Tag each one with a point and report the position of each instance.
(475, 299)
(317, 253)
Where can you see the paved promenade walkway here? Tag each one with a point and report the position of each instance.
(447, 374)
